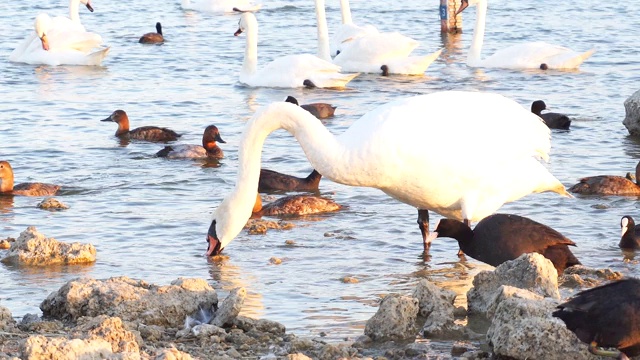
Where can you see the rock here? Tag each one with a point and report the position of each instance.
(531, 272)
(436, 305)
(580, 276)
(151, 332)
(172, 354)
(350, 280)
(524, 329)
(5, 244)
(110, 329)
(260, 227)
(130, 300)
(32, 248)
(632, 113)
(40, 347)
(52, 204)
(7, 323)
(298, 356)
(275, 261)
(505, 292)
(230, 307)
(332, 351)
(395, 319)
(206, 330)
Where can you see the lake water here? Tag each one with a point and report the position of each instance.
(148, 217)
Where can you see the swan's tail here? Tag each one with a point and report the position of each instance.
(413, 65)
(97, 57)
(333, 80)
(574, 62)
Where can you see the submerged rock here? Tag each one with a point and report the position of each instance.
(52, 204)
(632, 113)
(33, 248)
(5, 244)
(395, 319)
(580, 276)
(532, 272)
(131, 300)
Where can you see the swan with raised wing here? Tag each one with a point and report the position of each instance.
(531, 55)
(289, 71)
(466, 168)
(220, 6)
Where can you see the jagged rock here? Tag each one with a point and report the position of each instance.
(261, 325)
(525, 329)
(632, 113)
(172, 354)
(436, 305)
(206, 330)
(40, 347)
(32, 248)
(395, 319)
(130, 300)
(6, 320)
(579, 276)
(531, 272)
(505, 292)
(339, 351)
(5, 244)
(230, 307)
(151, 332)
(110, 329)
(52, 204)
(298, 356)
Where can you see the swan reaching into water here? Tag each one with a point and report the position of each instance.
(482, 156)
(220, 6)
(289, 71)
(51, 45)
(532, 55)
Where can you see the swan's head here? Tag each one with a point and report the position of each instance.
(42, 25)
(246, 21)
(228, 221)
(87, 3)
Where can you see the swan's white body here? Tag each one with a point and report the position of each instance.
(287, 71)
(463, 162)
(220, 6)
(364, 49)
(522, 56)
(67, 45)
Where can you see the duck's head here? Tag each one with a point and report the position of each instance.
(246, 20)
(210, 136)
(159, 28)
(228, 220)
(87, 3)
(117, 116)
(626, 223)
(537, 107)
(42, 25)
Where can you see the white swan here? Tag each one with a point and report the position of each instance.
(287, 71)
(51, 46)
(217, 6)
(72, 23)
(533, 55)
(463, 162)
(364, 49)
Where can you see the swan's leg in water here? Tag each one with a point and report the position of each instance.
(423, 224)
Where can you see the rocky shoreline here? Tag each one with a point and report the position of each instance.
(124, 318)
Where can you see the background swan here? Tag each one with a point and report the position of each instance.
(50, 46)
(219, 5)
(466, 167)
(287, 71)
(348, 31)
(522, 56)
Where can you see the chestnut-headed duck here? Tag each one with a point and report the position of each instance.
(294, 205)
(148, 133)
(274, 181)
(319, 110)
(608, 185)
(503, 237)
(208, 150)
(630, 237)
(153, 38)
(25, 189)
(553, 120)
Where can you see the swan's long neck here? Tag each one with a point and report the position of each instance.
(323, 31)
(346, 12)
(73, 11)
(250, 64)
(473, 57)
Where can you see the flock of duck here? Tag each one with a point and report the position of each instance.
(467, 183)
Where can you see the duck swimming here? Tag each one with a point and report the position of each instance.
(484, 155)
(630, 237)
(274, 181)
(503, 237)
(294, 205)
(553, 120)
(148, 133)
(25, 189)
(209, 148)
(319, 110)
(606, 316)
(608, 185)
(153, 38)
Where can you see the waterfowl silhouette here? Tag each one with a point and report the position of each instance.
(319, 110)
(274, 181)
(504, 138)
(608, 185)
(209, 148)
(606, 316)
(294, 205)
(7, 186)
(148, 133)
(503, 237)
(553, 120)
(153, 38)
(630, 237)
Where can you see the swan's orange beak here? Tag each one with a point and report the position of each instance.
(463, 5)
(45, 42)
(212, 239)
(238, 32)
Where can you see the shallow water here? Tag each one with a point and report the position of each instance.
(148, 217)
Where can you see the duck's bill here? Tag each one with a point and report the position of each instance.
(107, 119)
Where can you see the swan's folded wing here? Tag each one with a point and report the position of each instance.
(377, 48)
(74, 40)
